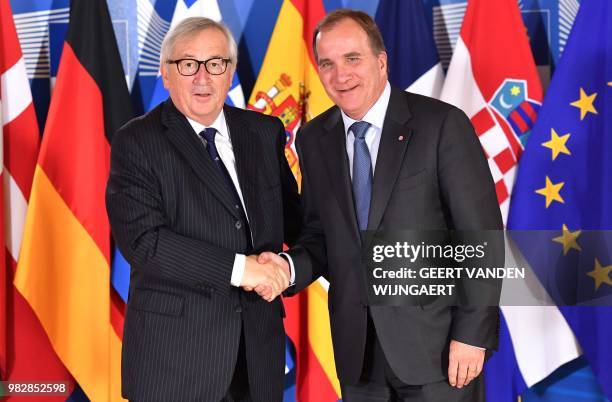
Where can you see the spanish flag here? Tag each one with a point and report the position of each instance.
(288, 86)
(64, 266)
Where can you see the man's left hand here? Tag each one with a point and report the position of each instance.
(464, 363)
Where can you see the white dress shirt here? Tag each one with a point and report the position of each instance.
(223, 142)
(376, 117)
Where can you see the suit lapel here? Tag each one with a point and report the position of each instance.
(248, 155)
(393, 143)
(333, 149)
(181, 134)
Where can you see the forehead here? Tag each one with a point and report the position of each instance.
(345, 36)
(206, 43)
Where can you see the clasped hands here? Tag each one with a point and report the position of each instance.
(267, 274)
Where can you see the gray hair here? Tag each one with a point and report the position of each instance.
(192, 26)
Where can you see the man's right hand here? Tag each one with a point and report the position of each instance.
(268, 279)
(270, 257)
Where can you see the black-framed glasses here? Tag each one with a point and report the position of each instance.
(214, 65)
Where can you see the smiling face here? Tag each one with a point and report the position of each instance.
(353, 76)
(201, 96)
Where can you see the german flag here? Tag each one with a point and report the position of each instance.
(64, 266)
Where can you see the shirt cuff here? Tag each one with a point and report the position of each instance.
(291, 268)
(238, 270)
(477, 347)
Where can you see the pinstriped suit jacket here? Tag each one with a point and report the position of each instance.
(174, 220)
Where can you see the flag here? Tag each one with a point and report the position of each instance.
(492, 77)
(64, 266)
(288, 84)
(22, 339)
(564, 178)
(288, 87)
(412, 56)
(152, 22)
(198, 8)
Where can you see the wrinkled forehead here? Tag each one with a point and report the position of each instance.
(339, 40)
(209, 42)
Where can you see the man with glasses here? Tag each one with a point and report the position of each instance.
(196, 190)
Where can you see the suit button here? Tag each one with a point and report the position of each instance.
(238, 309)
(238, 225)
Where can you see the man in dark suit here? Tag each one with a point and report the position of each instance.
(385, 159)
(196, 189)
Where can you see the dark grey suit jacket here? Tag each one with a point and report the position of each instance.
(175, 221)
(431, 173)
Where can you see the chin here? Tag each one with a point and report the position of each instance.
(351, 109)
(353, 104)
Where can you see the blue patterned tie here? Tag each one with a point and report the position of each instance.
(362, 174)
(209, 135)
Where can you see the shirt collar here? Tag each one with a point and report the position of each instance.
(376, 115)
(218, 124)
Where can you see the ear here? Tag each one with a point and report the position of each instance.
(164, 74)
(382, 61)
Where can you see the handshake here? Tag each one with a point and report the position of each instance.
(268, 274)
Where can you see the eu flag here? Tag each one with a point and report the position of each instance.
(564, 181)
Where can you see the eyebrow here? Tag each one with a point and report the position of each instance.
(346, 55)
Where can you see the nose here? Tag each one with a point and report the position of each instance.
(202, 76)
(342, 73)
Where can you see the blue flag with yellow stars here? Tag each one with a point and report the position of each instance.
(564, 184)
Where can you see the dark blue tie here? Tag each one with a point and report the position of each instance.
(362, 174)
(209, 135)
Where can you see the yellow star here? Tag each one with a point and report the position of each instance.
(568, 239)
(515, 90)
(585, 103)
(601, 274)
(551, 192)
(557, 144)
